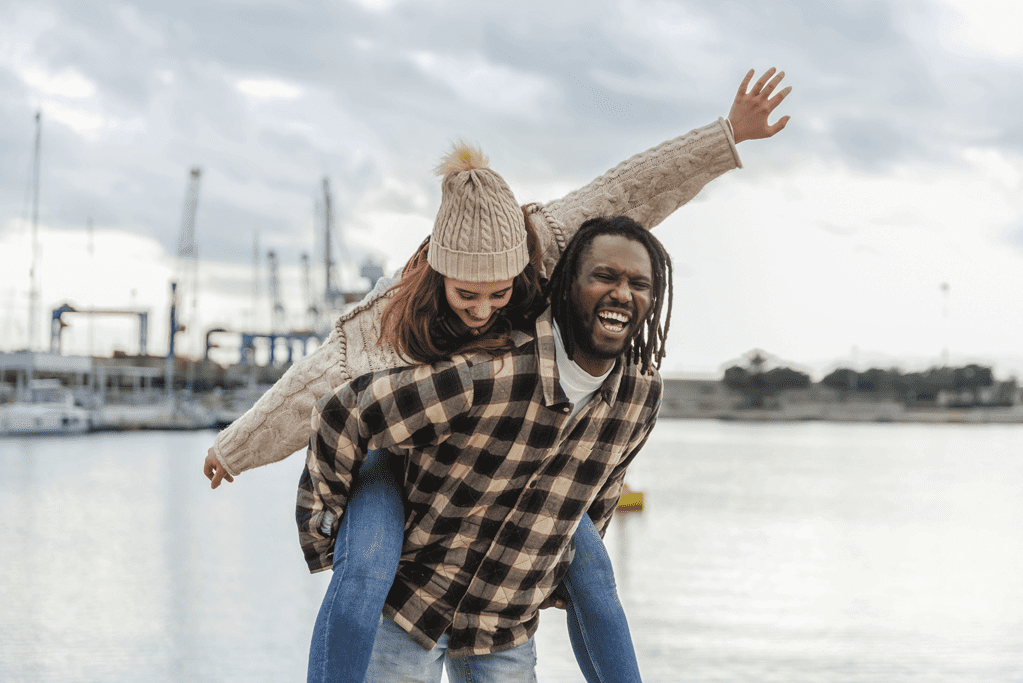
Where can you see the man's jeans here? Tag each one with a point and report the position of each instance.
(396, 657)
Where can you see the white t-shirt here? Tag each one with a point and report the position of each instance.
(579, 385)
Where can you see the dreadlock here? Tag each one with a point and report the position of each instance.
(647, 346)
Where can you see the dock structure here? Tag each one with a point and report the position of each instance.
(40, 393)
(19, 368)
(46, 393)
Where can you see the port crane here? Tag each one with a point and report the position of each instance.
(312, 311)
(335, 297)
(278, 319)
(33, 295)
(316, 312)
(57, 324)
(188, 252)
(248, 343)
(278, 323)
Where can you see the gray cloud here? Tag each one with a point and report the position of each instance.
(1014, 236)
(385, 91)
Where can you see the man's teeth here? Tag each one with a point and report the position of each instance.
(612, 320)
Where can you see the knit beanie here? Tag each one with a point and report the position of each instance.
(479, 234)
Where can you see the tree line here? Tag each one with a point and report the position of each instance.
(758, 379)
(962, 385)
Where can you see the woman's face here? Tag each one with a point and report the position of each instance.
(475, 303)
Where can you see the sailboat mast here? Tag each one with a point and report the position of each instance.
(328, 262)
(33, 294)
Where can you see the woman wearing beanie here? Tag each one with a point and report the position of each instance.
(476, 279)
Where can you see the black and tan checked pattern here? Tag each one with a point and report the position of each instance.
(497, 480)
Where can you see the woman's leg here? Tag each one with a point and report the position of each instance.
(366, 554)
(596, 621)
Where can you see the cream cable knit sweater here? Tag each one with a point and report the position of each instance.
(647, 188)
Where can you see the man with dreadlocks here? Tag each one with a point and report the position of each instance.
(646, 347)
(504, 455)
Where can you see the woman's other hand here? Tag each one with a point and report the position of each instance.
(753, 106)
(214, 471)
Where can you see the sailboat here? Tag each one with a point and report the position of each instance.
(48, 408)
(40, 406)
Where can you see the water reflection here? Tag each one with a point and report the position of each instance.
(828, 552)
(806, 552)
(128, 566)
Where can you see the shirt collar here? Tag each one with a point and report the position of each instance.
(547, 364)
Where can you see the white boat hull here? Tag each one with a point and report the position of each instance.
(43, 418)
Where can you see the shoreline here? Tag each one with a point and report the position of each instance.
(884, 413)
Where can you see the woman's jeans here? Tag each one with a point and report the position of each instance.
(596, 621)
(366, 555)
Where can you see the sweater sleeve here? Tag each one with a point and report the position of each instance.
(278, 424)
(648, 187)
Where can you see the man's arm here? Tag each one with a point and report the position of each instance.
(606, 502)
(397, 409)
(603, 507)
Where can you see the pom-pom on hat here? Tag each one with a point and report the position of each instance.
(479, 234)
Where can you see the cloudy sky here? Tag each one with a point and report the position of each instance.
(900, 171)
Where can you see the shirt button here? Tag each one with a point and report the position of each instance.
(565, 409)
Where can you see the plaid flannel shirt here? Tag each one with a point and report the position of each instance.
(497, 478)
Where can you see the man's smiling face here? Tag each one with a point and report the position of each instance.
(610, 299)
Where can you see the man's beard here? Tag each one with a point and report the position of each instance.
(581, 328)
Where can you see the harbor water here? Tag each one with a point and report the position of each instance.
(766, 552)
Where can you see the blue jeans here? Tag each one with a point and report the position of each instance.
(366, 554)
(397, 657)
(597, 626)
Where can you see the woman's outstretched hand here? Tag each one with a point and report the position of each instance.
(753, 106)
(214, 471)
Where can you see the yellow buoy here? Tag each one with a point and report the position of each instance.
(631, 501)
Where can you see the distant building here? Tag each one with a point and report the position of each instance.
(686, 397)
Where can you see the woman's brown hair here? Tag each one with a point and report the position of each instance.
(413, 321)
